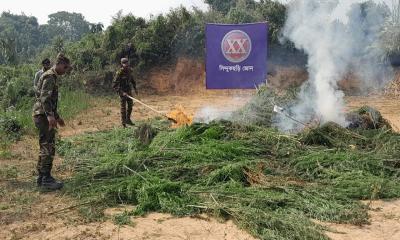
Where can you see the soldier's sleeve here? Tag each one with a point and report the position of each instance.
(116, 82)
(46, 92)
(36, 79)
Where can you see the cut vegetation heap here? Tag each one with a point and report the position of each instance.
(269, 183)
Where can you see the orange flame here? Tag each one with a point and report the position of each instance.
(180, 116)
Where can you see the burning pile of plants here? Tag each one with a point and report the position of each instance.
(180, 117)
(271, 184)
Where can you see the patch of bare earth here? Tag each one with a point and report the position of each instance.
(384, 224)
(154, 226)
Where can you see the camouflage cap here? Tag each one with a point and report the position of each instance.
(124, 60)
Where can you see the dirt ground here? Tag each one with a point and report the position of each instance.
(25, 213)
(384, 224)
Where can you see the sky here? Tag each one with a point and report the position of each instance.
(95, 11)
(103, 10)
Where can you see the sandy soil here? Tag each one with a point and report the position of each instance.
(154, 226)
(385, 224)
(26, 213)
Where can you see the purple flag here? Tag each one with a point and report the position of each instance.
(236, 55)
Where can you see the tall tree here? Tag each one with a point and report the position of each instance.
(96, 27)
(221, 6)
(19, 35)
(70, 26)
(8, 53)
(275, 14)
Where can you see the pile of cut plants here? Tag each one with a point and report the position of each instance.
(271, 184)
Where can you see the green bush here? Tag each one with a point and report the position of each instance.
(17, 98)
(16, 85)
(10, 128)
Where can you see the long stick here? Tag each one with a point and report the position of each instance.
(293, 119)
(144, 104)
(280, 110)
(151, 108)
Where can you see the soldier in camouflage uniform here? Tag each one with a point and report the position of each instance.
(123, 84)
(46, 119)
(46, 65)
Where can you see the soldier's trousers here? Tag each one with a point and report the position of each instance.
(46, 143)
(126, 109)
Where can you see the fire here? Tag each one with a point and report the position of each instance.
(180, 116)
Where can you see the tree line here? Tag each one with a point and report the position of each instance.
(147, 42)
(22, 37)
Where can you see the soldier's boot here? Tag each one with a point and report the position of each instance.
(129, 121)
(51, 184)
(128, 118)
(123, 120)
(39, 180)
(123, 111)
(129, 113)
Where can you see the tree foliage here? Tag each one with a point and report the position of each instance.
(69, 26)
(221, 6)
(21, 36)
(390, 34)
(146, 42)
(163, 38)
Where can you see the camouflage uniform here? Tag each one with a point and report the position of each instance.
(45, 67)
(37, 77)
(46, 105)
(124, 82)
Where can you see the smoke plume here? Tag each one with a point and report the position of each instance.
(338, 38)
(208, 114)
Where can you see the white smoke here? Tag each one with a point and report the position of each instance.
(221, 111)
(208, 114)
(338, 37)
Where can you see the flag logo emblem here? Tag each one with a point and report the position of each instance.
(236, 46)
